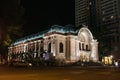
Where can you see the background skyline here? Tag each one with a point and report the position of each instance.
(40, 15)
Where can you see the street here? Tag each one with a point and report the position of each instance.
(58, 73)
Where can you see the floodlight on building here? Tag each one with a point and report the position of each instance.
(116, 64)
(111, 56)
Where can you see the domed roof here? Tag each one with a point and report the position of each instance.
(63, 29)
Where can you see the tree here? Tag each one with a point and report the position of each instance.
(11, 21)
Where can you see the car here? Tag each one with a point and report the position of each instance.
(21, 63)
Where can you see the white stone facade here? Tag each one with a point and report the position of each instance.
(65, 47)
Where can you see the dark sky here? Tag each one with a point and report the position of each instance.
(41, 14)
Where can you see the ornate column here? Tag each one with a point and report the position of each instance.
(54, 42)
(35, 45)
(94, 50)
(24, 47)
(45, 45)
(39, 46)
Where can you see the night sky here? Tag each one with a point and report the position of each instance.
(41, 14)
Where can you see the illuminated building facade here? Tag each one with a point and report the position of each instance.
(103, 19)
(63, 43)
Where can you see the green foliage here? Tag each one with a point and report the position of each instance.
(7, 41)
(11, 21)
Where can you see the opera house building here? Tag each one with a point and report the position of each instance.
(63, 43)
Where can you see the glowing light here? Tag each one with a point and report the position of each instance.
(30, 64)
(108, 60)
(116, 64)
(111, 56)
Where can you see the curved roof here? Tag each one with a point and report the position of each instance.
(84, 35)
(62, 29)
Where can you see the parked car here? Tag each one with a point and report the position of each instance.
(21, 63)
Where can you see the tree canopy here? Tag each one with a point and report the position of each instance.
(11, 21)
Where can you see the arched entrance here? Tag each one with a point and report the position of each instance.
(88, 46)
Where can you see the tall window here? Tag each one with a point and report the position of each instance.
(82, 46)
(87, 48)
(79, 46)
(61, 47)
(37, 46)
(41, 49)
(49, 48)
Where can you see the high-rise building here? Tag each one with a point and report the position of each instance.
(64, 44)
(110, 23)
(103, 18)
(86, 13)
(81, 12)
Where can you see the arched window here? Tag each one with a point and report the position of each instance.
(41, 49)
(37, 46)
(82, 46)
(61, 47)
(86, 47)
(49, 48)
(79, 46)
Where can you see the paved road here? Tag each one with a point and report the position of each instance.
(59, 73)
